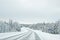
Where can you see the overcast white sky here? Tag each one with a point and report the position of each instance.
(30, 11)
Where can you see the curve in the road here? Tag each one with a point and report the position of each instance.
(29, 35)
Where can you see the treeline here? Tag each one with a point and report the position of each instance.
(53, 28)
(9, 26)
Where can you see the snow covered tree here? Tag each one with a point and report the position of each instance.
(10, 25)
(57, 27)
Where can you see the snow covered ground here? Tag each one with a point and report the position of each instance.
(29, 34)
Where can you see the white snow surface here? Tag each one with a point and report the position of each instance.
(26, 32)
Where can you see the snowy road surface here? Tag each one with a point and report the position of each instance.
(28, 34)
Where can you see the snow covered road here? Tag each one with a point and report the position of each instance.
(29, 34)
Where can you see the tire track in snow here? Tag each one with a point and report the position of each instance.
(15, 36)
(25, 37)
(32, 36)
(37, 37)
